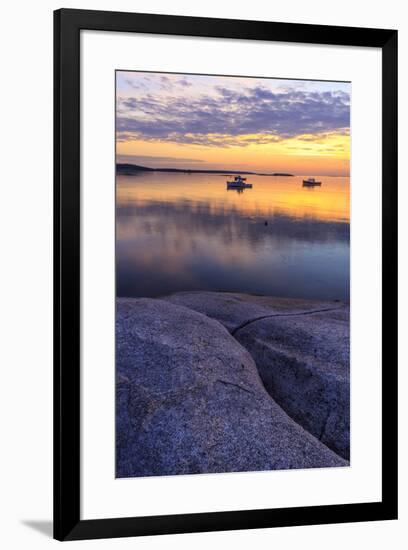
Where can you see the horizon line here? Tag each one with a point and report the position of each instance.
(225, 171)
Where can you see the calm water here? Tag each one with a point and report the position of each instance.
(187, 232)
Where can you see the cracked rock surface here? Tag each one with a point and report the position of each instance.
(190, 400)
(301, 349)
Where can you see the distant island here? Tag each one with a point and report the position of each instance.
(129, 169)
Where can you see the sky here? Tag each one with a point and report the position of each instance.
(222, 122)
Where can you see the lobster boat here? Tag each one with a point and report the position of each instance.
(311, 182)
(239, 183)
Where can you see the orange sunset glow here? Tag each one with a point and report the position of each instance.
(248, 124)
(331, 206)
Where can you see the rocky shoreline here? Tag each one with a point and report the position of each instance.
(222, 382)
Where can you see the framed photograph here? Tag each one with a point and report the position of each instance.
(225, 274)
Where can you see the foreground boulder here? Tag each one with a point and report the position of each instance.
(301, 349)
(234, 310)
(190, 400)
(304, 364)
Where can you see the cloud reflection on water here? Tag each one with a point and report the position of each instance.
(166, 245)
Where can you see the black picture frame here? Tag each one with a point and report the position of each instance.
(67, 26)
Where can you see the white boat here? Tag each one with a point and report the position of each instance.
(238, 183)
(310, 182)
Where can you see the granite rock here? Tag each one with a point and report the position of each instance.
(190, 400)
(234, 310)
(301, 349)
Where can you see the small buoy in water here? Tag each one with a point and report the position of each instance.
(266, 223)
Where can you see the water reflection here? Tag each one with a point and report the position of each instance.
(186, 232)
(236, 190)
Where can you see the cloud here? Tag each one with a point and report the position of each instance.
(156, 159)
(233, 117)
(136, 85)
(184, 82)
